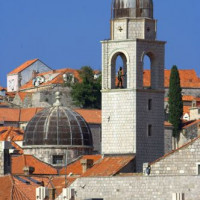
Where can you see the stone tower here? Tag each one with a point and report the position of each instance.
(133, 116)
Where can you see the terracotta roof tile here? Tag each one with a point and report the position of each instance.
(186, 109)
(11, 134)
(22, 95)
(167, 124)
(23, 66)
(108, 166)
(5, 187)
(58, 79)
(191, 124)
(59, 183)
(188, 78)
(185, 98)
(12, 188)
(11, 94)
(17, 147)
(19, 162)
(16, 114)
(90, 116)
(76, 168)
(28, 191)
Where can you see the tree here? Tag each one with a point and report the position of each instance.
(87, 93)
(175, 102)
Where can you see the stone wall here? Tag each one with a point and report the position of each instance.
(96, 137)
(168, 139)
(1, 159)
(118, 122)
(137, 187)
(45, 153)
(149, 147)
(122, 29)
(186, 91)
(183, 161)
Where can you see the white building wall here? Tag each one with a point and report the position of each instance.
(14, 82)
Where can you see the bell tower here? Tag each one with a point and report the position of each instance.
(133, 115)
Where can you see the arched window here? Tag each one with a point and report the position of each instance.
(146, 72)
(119, 71)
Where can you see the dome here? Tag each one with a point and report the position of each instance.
(57, 125)
(132, 9)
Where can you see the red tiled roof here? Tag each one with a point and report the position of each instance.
(56, 80)
(76, 168)
(59, 183)
(5, 187)
(108, 166)
(186, 109)
(186, 98)
(19, 162)
(18, 148)
(12, 188)
(23, 66)
(22, 95)
(167, 124)
(188, 78)
(2, 88)
(28, 191)
(11, 94)
(11, 134)
(176, 150)
(90, 116)
(191, 123)
(16, 114)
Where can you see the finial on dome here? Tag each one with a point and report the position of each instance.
(58, 97)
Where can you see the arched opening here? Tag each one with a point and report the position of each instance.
(119, 71)
(147, 71)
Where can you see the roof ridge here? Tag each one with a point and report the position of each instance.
(175, 150)
(8, 132)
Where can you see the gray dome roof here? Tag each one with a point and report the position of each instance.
(57, 126)
(132, 8)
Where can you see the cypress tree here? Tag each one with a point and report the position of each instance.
(175, 102)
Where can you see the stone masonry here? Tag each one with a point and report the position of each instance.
(137, 188)
(182, 162)
(126, 117)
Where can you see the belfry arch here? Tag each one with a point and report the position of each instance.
(115, 68)
(149, 68)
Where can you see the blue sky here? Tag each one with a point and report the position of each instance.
(65, 33)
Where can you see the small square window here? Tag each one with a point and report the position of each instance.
(198, 168)
(150, 104)
(149, 130)
(57, 159)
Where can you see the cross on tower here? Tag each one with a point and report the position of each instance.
(120, 28)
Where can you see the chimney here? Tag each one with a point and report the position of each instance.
(86, 164)
(34, 74)
(52, 193)
(28, 170)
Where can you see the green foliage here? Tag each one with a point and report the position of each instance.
(175, 101)
(87, 93)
